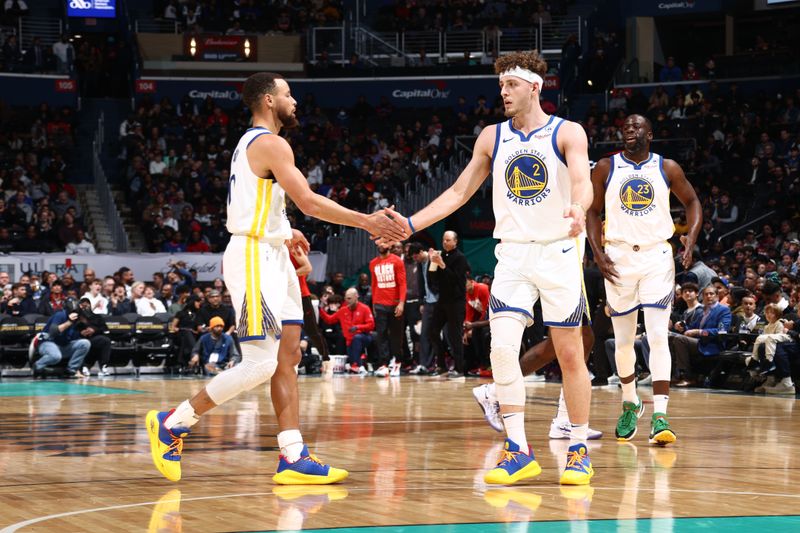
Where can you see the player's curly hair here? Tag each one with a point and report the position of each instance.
(530, 60)
(256, 86)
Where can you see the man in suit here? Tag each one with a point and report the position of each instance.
(699, 337)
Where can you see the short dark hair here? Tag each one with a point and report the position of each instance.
(414, 248)
(691, 286)
(770, 288)
(256, 86)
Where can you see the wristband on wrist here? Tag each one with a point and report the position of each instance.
(576, 204)
(410, 225)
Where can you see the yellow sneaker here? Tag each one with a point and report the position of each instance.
(514, 465)
(165, 446)
(166, 515)
(579, 467)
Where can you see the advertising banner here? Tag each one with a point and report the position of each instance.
(333, 93)
(208, 266)
(92, 8)
(33, 89)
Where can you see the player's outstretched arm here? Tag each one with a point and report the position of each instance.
(594, 226)
(462, 190)
(271, 153)
(680, 185)
(575, 147)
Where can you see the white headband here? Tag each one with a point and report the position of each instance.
(525, 74)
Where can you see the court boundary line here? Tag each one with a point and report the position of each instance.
(19, 525)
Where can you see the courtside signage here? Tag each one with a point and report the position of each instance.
(92, 8)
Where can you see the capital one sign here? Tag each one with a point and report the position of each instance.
(92, 8)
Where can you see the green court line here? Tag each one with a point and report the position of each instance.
(56, 388)
(775, 524)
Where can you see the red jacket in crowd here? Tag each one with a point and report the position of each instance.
(479, 293)
(388, 280)
(360, 317)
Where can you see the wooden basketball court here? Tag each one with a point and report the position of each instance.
(74, 457)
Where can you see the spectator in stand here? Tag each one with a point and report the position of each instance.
(93, 326)
(65, 55)
(137, 292)
(746, 321)
(691, 72)
(670, 71)
(182, 294)
(215, 350)
(699, 336)
(357, 325)
(184, 328)
(448, 272)
(388, 302)
(81, 245)
(197, 244)
(213, 307)
(98, 304)
(63, 341)
(148, 305)
(475, 339)
(19, 303)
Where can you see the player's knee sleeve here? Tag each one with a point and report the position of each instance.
(259, 361)
(624, 336)
(510, 386)
(655, 322)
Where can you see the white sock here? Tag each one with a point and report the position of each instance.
(578, 434)
(515, 429)
(183, 416)
(629, 392)
(562, 407)
(291, 444)
(491, 391)
(660, 403)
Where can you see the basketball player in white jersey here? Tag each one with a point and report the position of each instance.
(637, 262)
(263, 285)
(541, 190)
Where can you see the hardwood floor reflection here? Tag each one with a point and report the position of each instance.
(416, 449)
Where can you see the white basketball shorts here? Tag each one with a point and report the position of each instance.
(646, 277)
(551, 271)
(265, 292)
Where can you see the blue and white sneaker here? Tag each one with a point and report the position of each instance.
(561, 429)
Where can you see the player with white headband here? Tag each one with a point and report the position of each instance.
(541, 190)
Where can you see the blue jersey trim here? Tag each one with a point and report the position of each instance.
(657, 306)
(610, 172)
(291, 322)
(253, 338)
(257, 128)
(513, 309)
(562, 324)
(554, 140)
(521, 135)
(661, 168)
(629, 311)
(496, 141)
(637, 166)
(265, 132)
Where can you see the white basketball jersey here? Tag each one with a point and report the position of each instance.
(256, 205)
(637, 201)
(530, 184)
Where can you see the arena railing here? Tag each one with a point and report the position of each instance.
(157, 26)
(49, 30)
(118, 234)
(330, 39)
(351, 250)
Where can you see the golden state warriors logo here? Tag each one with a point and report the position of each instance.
(526, 178)
(636, 195)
